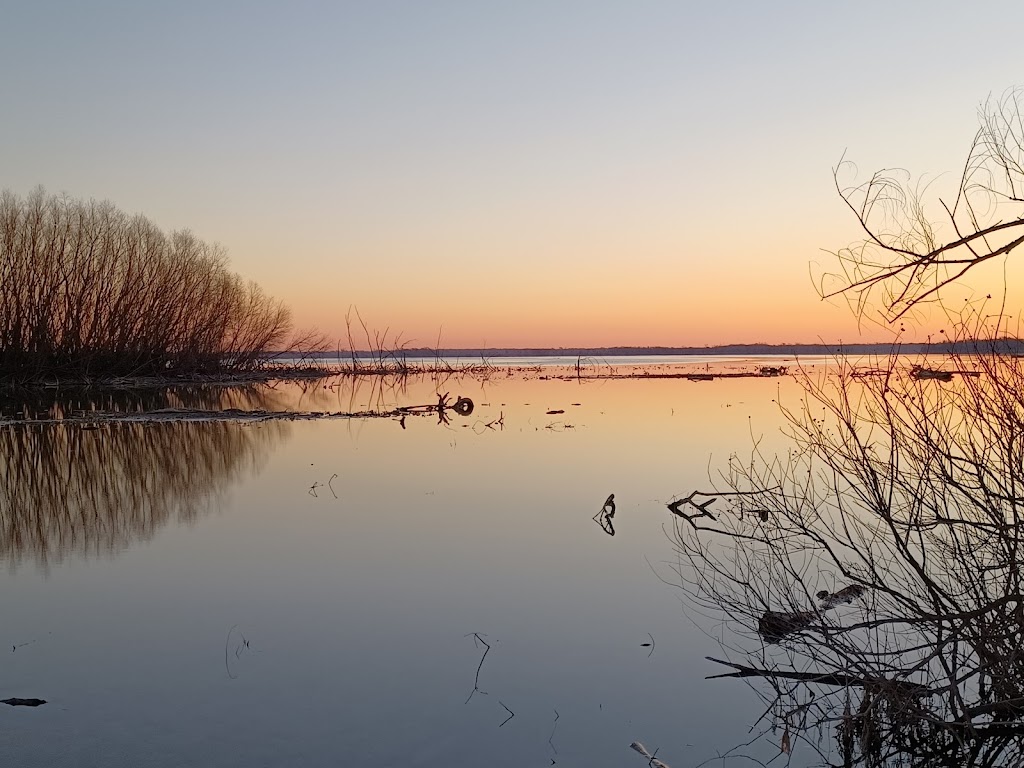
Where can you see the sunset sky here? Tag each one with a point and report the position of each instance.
(507, 174)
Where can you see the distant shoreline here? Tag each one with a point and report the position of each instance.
(1002, 346)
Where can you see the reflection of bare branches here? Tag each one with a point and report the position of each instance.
(649, 645)
(511, 714)
(478, 638)
(702, 508)
(497, 424)
(605, 515)
(559, 426)
(904, 498)
(233, 652)
(96, 491)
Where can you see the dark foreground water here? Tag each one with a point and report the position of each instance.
(304, 593)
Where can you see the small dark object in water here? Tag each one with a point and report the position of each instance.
(649, 645)
(604, 517)
(463, 406)
(23, 702)
(918, 372)
(773, 626)
(552, 413)
(843, 596)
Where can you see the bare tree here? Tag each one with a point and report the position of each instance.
(869, 579)
(916, 243)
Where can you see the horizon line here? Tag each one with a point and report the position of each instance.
(661, 350)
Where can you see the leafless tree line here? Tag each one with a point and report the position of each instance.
(88, 290)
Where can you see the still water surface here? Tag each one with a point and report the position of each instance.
(304, 593)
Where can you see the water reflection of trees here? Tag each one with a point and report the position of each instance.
(874, 573)
(69, 490)
(60, 403)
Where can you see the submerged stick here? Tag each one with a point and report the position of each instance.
(511, 714)
(476, 680)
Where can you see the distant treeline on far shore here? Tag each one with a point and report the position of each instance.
(981, 346)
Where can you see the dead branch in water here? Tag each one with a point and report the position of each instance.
(478, 638)
(462, 406)
(605, 515)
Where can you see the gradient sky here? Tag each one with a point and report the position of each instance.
(506, 174)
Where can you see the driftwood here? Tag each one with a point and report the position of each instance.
(463, 406)
(919, 372)
(774, 626)
(838, 679)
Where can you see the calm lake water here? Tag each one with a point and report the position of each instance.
(287, 593)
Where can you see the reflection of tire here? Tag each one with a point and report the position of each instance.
(463, 406)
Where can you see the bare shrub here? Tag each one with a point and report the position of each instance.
(88, 290)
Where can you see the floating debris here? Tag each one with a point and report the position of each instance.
(649, 645)
(844, 596)
(652, 761)
(641, 749)
(463, 406)
(774, 626)
(23, 702)
(920, 373)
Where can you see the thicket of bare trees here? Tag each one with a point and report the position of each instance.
(88, 290)
(871, 577)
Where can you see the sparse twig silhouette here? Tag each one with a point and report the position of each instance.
(478, 638)
(649, 645)
(605, 515)
(511, 714)
(234, 652)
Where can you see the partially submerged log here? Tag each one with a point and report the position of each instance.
(921, 373)
(775, 626)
